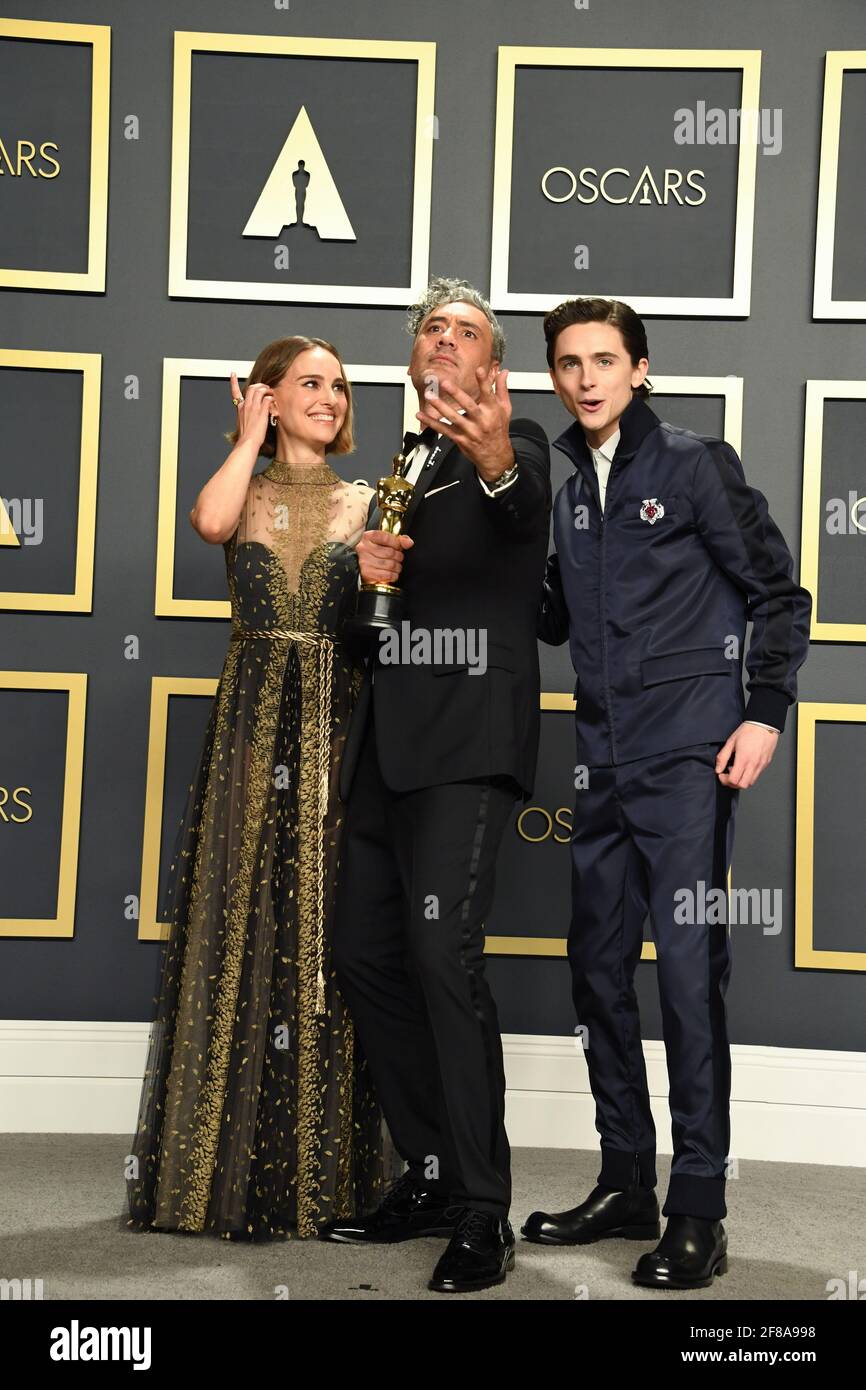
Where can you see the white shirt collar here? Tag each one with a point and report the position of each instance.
(608, 448)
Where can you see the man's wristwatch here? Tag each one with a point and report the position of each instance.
(504, 478)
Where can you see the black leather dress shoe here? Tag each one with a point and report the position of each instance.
(480, 1253)
(691, 1251)
(632, 1214)
(406, 1212)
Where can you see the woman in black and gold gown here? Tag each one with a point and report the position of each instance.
(257, 1116)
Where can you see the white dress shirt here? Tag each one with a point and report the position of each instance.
(603, 458)
(421, 455)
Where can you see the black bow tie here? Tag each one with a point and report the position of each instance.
(410, 439)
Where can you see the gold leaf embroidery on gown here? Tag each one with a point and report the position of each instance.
(257, 1116)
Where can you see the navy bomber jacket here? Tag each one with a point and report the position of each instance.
(654, 595)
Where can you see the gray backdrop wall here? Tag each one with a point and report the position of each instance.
(104, 972)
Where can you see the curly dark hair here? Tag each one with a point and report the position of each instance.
(444, 290)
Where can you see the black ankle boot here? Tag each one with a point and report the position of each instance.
(630, 1214)
(688, 1256)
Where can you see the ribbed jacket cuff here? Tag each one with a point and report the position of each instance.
(768, 706)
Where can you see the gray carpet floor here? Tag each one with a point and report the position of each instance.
(791, 1228)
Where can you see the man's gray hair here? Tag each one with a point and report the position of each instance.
(442, 290)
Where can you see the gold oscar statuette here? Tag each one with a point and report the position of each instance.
(380, 606)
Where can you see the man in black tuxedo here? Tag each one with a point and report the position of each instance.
(436, 756)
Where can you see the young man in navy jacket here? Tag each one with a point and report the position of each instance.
(663, 554)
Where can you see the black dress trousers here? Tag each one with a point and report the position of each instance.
(656, 833)
(415, 885)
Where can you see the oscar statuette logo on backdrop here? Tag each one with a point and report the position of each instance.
(300, 191)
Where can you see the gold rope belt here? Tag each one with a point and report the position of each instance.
(286, 632)
(325, 643)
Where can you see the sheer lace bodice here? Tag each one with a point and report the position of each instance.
(291, 561)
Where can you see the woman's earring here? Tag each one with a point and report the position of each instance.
(274, 420)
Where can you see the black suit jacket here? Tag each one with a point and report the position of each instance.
(477, 562)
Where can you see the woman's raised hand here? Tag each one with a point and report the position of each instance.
(253, 410)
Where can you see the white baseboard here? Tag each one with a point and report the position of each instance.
(788, 1105)
(792, 1105)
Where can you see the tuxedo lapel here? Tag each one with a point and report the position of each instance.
(441, 450)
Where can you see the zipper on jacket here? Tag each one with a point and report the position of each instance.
(602, 615)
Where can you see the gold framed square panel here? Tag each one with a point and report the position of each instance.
(729, 388)
(62, 924)
(98, 36)
(817, 392)
(556, 946)
(151, 929)
(161, 689)
(806, 955)
(173, 372)
(422, 53)
(81, 598)
(748, 61)
(824, 306)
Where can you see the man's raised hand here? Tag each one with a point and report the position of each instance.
(481, 432)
